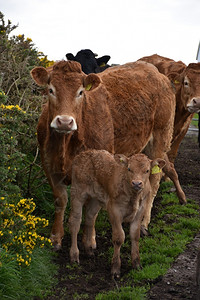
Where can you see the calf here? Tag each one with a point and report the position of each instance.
(118, 184)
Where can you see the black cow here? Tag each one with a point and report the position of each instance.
(89, 62)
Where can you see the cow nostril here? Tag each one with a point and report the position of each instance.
(71, 122)
(194, 101)
(58, 120)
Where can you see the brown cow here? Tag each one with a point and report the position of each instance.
(134, 102)
(120, 186)
(186, 80)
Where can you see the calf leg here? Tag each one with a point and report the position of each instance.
(61, 198)
(172, 174)
(135, 236)
(118, 237)
(89, 235)
(74, 227)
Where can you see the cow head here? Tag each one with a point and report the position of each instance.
(66, 88)
(89, 62)
(188, 82)
(140, 167)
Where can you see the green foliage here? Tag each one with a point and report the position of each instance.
(18, 56)
(25, 259)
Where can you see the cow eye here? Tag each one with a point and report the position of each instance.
(80, 93)
(186, 83)
(50, 91)
(147, 171)
(129, 169)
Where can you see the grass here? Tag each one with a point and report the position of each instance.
(171, 229)
(194, 122)
(26, 283)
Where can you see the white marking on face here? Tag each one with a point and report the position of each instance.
(64, 124)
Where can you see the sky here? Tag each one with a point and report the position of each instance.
(124, 29)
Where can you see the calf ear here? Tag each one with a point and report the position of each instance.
(121, 158)
(40, 75)
(91, 82)
(157, 165)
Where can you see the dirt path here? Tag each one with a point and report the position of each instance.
(179, 283)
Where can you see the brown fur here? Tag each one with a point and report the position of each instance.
(122, 187)
(126, 109)
(177, 72)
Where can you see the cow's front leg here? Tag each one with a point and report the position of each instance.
(155, 182)
(61, 198)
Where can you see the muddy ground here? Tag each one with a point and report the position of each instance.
(94, 277)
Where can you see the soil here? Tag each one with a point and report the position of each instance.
(93, 276)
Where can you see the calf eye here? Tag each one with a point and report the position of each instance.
(129, 169)
(186, 83)
(147, 171)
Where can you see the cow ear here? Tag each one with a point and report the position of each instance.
(121, 158)
(40, 75)
(176, 80)
(91, 82)
(102, 61)
(157, 165)
(70, 56)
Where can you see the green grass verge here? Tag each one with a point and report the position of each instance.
(194, 122)
(25, 283)
(171, 229)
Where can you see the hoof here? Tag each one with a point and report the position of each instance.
(115, 276)
(89, 251)
(56, 247)
(136, 264)
(143, 231)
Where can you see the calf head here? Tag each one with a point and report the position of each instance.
(140, 168)
(66, 88)
(189, 84)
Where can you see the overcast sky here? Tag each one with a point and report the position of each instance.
(124, 29)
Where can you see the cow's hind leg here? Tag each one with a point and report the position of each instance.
(92, 208)
(61, 198)
(170, 171)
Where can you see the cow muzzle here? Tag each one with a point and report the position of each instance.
(137, 185)
(64, 124)
(194, 105)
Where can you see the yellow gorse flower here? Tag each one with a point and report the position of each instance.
(23, 240)
(11, 107)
